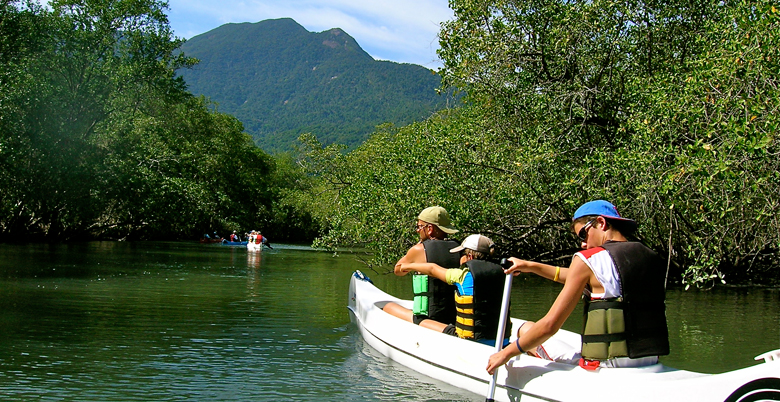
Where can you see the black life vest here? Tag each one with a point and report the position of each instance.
(478, 315)
(634, 324)
(438, 297)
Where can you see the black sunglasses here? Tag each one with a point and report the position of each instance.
(583, 233)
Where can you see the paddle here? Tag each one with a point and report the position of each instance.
(500, 333)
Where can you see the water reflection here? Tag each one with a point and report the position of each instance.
(172, 321)
(376, 377)
(253, 260)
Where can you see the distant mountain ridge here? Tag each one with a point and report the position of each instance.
(281, 80)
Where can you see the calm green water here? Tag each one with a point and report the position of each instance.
(177, 321)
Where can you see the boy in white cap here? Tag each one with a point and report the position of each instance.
(624, 287)
(479, 289)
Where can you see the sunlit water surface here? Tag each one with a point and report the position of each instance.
(183, 321)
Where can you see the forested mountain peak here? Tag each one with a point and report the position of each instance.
(278, 36)
(336, 38)
(281, 81)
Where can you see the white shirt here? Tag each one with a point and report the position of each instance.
(600, 262)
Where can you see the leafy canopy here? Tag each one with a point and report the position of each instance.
(667, 109)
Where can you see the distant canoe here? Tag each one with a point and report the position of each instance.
(225, 242)
(254, 246)
(209, 241)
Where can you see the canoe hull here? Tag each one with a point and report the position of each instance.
(462, 363)
(234, 243)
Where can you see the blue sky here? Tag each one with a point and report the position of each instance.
(404, 31)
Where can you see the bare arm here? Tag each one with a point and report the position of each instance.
(427, 268)
(415, 254)
(543, 270)
(579, 275)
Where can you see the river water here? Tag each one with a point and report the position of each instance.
(108, 321)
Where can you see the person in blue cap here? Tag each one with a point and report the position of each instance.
(624, 287)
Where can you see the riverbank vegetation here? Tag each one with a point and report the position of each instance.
(667, 109)
(100, 140)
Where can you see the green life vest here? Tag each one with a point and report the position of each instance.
(633, 324)
(432, 297)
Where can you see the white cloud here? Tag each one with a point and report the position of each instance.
(399, 30)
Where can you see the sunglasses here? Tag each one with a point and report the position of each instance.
(583, 233)
(418, 226)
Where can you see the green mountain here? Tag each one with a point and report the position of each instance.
(281, 80)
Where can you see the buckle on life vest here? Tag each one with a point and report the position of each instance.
(590, 365)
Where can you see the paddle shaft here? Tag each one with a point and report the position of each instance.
(500, 333)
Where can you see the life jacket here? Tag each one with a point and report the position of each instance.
(433, 297)
(258, 239)
(633, 324)
(478, 314)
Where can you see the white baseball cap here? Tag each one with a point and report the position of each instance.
(475, 242)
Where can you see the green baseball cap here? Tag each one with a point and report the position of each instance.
(438, 216)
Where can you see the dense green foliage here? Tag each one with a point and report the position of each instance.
(281, 81)
(99, 139)
(667, 109)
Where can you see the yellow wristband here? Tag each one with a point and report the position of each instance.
(557, 274)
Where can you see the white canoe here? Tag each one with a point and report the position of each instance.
(254, 246)
(525, 378)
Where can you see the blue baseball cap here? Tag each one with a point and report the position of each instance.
(605, 209)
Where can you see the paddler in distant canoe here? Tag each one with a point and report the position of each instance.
(264, 240)
(257, 238)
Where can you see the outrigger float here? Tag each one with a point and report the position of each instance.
(462, 363)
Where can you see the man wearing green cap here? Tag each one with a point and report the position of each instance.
(624, 287)
(433, 298)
